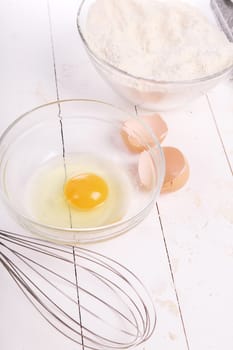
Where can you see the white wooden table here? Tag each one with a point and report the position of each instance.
(183, 251)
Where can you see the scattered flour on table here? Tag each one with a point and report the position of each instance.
(157, 40)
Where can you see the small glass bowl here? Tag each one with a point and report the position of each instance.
(148, 93)
(72, 127)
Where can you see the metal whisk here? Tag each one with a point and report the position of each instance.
(90, 298)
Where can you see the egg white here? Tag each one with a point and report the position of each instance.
(47, 204)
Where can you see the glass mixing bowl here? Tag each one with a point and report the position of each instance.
(65, 131)
(147, 93)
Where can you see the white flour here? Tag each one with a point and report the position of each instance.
(152, 39)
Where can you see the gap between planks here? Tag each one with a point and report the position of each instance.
(170, 267)
(219, 134)
(63, 149)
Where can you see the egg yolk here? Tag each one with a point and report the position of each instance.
(86, 191)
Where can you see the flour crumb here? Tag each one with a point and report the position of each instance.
(155, 40)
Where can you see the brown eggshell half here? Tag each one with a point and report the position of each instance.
(136, 136)
(146, 170)
(157, 125)
(177, 170)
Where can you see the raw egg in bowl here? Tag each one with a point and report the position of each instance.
(67, 174)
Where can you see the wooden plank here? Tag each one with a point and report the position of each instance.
(26, 67)
(27, 80)
(222, 113)
(198, 226)
(77, 77)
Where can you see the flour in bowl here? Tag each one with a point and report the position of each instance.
(165, 41)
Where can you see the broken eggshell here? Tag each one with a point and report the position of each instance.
(146, 170)
(177, 170)
(137, 137)
(176, 174)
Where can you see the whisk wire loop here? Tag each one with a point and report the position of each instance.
(113, 309)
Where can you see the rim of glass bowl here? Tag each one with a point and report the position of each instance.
(104, 229)
(145, 80)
